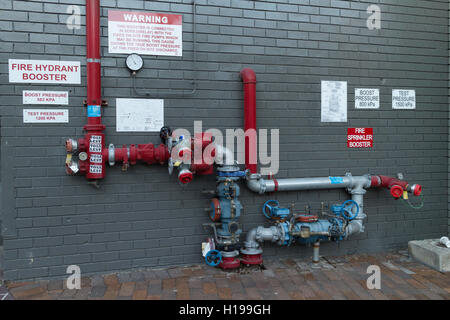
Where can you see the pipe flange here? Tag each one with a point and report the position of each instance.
(111, 155)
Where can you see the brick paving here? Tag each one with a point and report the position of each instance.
(334, 278)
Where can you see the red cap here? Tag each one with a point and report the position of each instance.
(185, 177)
(396, 191)
(417, 189)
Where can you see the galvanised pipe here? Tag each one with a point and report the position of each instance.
(249, 79)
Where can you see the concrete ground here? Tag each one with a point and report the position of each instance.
(342, 277)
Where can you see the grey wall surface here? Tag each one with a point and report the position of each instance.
(144, 218)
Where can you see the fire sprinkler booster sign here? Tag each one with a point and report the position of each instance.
(43, 71)
(360, 137)
(45, 97)
(45, 116)
(145, 33)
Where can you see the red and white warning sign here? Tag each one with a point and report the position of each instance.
(145, 33)
(45, 97)
(360, 137)
(45, 115)
(44, 71)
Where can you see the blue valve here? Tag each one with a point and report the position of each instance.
(346, 210)
(213, 258)
(272, 210)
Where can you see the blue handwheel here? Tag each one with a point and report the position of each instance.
(213, 258)
(348, 208)
(267, 205)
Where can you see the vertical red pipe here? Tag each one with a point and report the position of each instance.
(249, 79)
(94, 95)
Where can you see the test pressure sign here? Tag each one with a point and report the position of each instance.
(145, 33)
(360, 137)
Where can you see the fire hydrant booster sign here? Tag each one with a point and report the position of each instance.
(360, 137)
(43, 71)
(145, 33)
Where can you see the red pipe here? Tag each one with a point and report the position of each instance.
(94, 88)
(249, 79)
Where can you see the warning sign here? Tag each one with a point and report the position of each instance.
(45, 97)
(145, 33)
(360, 137)
(45, 116)
(43, 71)
(403, 99)
(367, 98)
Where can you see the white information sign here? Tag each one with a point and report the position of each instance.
(44, 71)
(45, 116)
(139, 115)
(367, 98)
(145, 33)
(403, 99)
(45, 97)
(334, 101)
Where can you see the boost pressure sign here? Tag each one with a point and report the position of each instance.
(360, 137)
(145, 33)
(43, 71)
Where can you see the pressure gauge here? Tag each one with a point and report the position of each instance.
(83, 156)
(134, 62)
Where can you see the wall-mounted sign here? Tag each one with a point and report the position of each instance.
(367, 98)
(403, 99)
(360, 137)
(139, 115)
(145, 33)
(45, 97)
(43, 71)
(334, 101)
(45, 116)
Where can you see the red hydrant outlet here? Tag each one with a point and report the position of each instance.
(416, 189)
(396, 191)
(185, 176)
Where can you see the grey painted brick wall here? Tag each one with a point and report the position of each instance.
(144, 218)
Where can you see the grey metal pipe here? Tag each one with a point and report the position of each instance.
(260, 185)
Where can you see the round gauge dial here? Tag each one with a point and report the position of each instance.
(134, 62)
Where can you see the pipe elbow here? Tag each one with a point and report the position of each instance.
(248, 75)
(256, 185)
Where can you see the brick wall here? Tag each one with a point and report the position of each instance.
(144, 218)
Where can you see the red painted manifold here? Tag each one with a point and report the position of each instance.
(249, 79)
(396, 186)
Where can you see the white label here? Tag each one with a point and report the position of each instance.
(403, 99)
(96, 139)
(95, 147)
(334, 101)
(45, 97)
(45, 116)
(145, 33)
(96, 158)
(139, 115)
(95, 168)
(44, 71)
(367, 98)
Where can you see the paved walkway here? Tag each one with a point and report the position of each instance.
(334, 278)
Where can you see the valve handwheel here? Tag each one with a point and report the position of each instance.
(348, 209)
(213, 258)
(268, 206)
